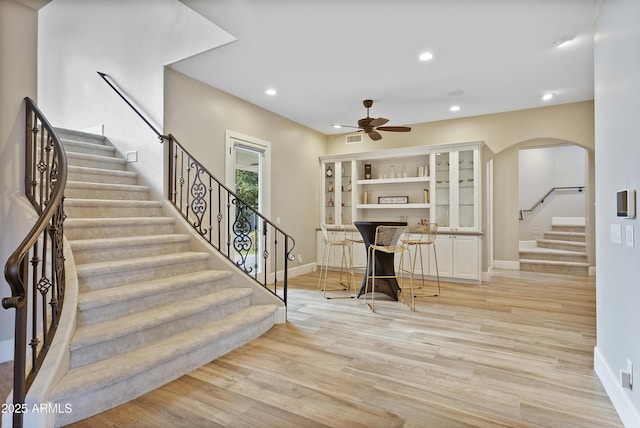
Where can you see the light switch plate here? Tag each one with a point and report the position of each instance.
(616, 234)
(629, 237)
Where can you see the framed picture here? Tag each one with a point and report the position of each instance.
(393, 199)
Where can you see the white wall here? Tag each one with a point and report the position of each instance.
(617, 139)
(131, 42)
(18, 27)
(540, 170)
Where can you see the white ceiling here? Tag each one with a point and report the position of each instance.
(325, 56)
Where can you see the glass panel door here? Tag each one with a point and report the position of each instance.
(443, 189)
(246, 227)
(346, 186)
(466, 189)
(330, 193)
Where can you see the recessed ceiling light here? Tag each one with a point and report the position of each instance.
(454, 108)
(547, 96)
(336, 126)
(425, 56)
(270, 91)
(563, 41)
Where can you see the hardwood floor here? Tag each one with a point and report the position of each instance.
(516, 352)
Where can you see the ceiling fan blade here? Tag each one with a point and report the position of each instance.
(394, 128)
(379, 121)
(375, 136)
(344, 126)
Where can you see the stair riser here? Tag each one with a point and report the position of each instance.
(570, 270)
(98, 352)
(150, 301)
(88, 149)
(109, 253)
(120, 231)
(561, 237)
(101, 178)
(116, 165)
(78, 211)
(577, 229)
(561, 246)
(81, 137)
(134, 194)
(576, 258)
(89, 282)
(95, 401)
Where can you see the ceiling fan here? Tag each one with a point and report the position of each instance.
(371, 125)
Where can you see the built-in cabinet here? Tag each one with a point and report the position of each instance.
(440, 184)
(337, 191)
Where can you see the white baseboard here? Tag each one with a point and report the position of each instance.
(629, 415)
(302, 269)
(6, 350)
(506, 265)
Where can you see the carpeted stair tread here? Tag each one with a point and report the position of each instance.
(99, 171)
(122, 242)
(106, 186)
(114, 203)
(130, 324)
(107, 248)
(574, 244)
(93, 228)
(553, 263)
(102, 268)
(108, 296)
(106, 372)
(94, 158)
(116, 221)
(549, 251)
(74, 146)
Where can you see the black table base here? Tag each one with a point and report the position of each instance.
(383, 263)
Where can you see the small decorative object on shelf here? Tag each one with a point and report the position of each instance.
(330, 187)
(330, 203)
(426, 196)
(367, 171)
(349, 187)
(393, 199)
(329, 171)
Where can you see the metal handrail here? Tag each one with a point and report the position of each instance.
(541, 200)
(227, 222)
(104, 76)
(235, 235)
(40, 253)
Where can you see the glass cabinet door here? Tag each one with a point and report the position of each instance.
(466, 189)
(443, 189)
(346, 186)
(330, 193)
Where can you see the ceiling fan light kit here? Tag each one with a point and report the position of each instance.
(371, 125)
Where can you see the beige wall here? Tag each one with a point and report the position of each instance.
(198, 116)
(503, 134)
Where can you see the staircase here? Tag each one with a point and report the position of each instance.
(561, 251)
(150, 309)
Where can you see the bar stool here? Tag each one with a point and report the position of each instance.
(427, 234)
(388, 240)
(346, 262)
